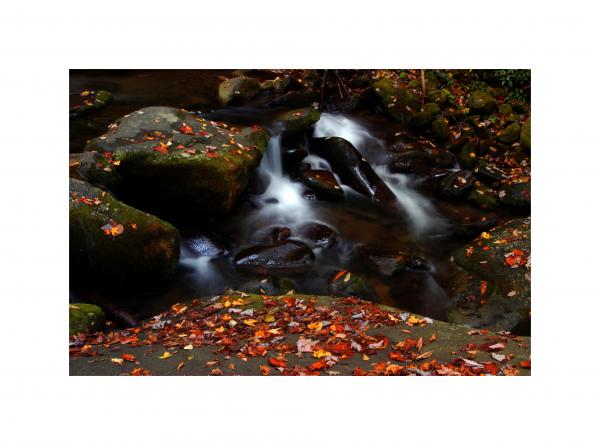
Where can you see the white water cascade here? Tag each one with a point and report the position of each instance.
(419, 209)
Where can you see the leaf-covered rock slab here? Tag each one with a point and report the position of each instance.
(112, 244)
(491, 286)
(173, 161)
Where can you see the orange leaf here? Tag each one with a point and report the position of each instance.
(317, 365)
(128, 357)
(277, 363)
(525, 364)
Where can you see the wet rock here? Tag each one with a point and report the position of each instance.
(352, 168)
(483, 197)
(296, 121)
(509, 134)
(505, 109)
(238, 90)
(457, 183)
(290, 257)
(491, 285)
(88, 101)
(285, 84)
(206, 245)
(95, 169)
(482, 102)
(488, 172)
(516, 195)
(410, 162)
(420, 121)
(294, 155)
(432, 108)
(519, 106)
(172, 161)
(440, 158)
(465, 220)
(114, 245)
(293, 99)
(87, 318)
(323, 182)
(350, 284)
(467, 157)
(525, 136)
(280, 235)
(319, 235)
(441, 129)
(390, 262)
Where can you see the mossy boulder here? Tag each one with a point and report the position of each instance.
(238, 90)
(396, 102)
(174, 162)
(113, 245)
(88, 101)
(483, 197)
(439, 97)
(516, 195)
(510, 134)
(85, 318)
(432, 108)
(457, 183)
(467, 157)
(420, 121)
(525, 136)
(482, 102)
(296, 121)
(505, 109)
(441, 129)
(94, 168)
(491, 284)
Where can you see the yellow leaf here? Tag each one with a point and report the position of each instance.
(269, 318)
(220, 329)
(316, 326)
(275, 331)
(165, 355)
(321, 353)
(188, 347)
(471, 155)
(118, 361)
(485, 235)
(250, 322)
(365, 357)
(227, 303)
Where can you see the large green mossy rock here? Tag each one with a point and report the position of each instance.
(525, 137)
(441, 129)
(173, 161)
(397, 103)
(491, 284)
(482, 102)
(86, 318)
(516, 195)
(483, 197)
(510, 134)
(94, 168)
(238, 90)
(112, 244)
(295, 121)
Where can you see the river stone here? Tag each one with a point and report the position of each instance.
(432, 108)
(318, 235)
(491, 285)
(397, 103)
(410, 162)
(440, 158)
(525, 136)
(457, 183)
(509, 134)
(238, 90)
(420, 121)
(352, 168)
(384, 262)
(173, 161)
(290, 257)
(350, 284)
(296, 121)
(139, 250)
(481, 102)
(88, 101)
(84, 317)
(467, 157)
(323, 182)
(94, 168)
(293, 155)
(516, 195)
(488, 172)
(483, 197)
(441, 129)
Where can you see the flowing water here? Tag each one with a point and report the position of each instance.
(412, 224)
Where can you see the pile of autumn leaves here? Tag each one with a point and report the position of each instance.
(330, 333)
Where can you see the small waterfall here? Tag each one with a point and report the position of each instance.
(419, 209)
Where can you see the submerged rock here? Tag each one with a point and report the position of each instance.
(173, 161)
(238, 90)
(319, 235)
(84, 317)
(290, 257)
(114, 245)
(323, 182)
(491, 285)
(410, 162)
(352, 168)
(349, 284)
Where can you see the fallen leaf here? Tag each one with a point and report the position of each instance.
(165, 355)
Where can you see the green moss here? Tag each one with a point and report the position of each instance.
(86, 318)
(432, 108)
(483, 197)
(482, 102)
(525, 136)
(441, 129)
(509, 134)
(298, 120)
(237, 90)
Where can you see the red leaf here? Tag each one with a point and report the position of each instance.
(277, 363)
